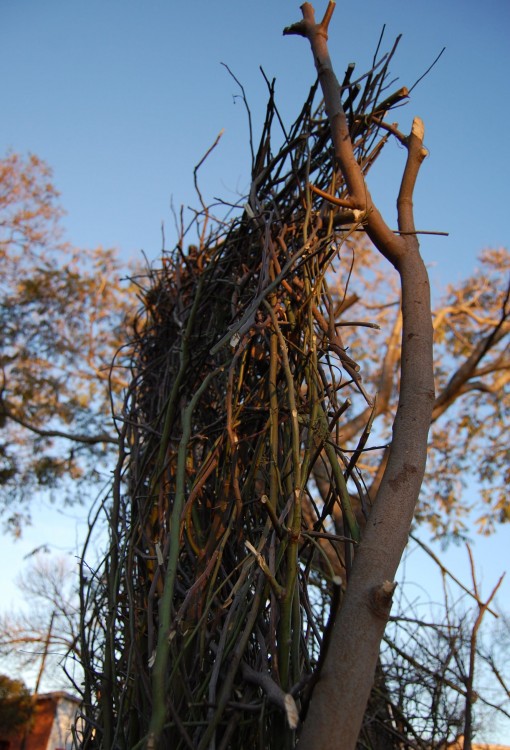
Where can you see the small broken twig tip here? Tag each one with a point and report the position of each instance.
(381, 598)
(418, 128)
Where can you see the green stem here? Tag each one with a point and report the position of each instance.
(340, 483)
(274, 480)
(165, 609)
(171, 405)
(295, 526)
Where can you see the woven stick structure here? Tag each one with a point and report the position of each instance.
(224, 559)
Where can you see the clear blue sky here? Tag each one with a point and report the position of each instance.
(123, 97)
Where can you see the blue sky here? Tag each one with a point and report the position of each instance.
(122, 99)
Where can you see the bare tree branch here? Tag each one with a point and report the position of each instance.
(351, 661)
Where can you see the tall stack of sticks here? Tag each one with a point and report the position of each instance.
(223, 557)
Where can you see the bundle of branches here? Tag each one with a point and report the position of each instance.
(224, 556)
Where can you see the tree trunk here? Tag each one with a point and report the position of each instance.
(340, 697)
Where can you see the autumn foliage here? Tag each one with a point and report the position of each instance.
(61, 316)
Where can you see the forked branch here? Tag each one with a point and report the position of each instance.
(391, 245)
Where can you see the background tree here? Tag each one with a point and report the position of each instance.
(41, 638)
(62, 313)
(15, 706)
(431, 659)
(472, 373)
